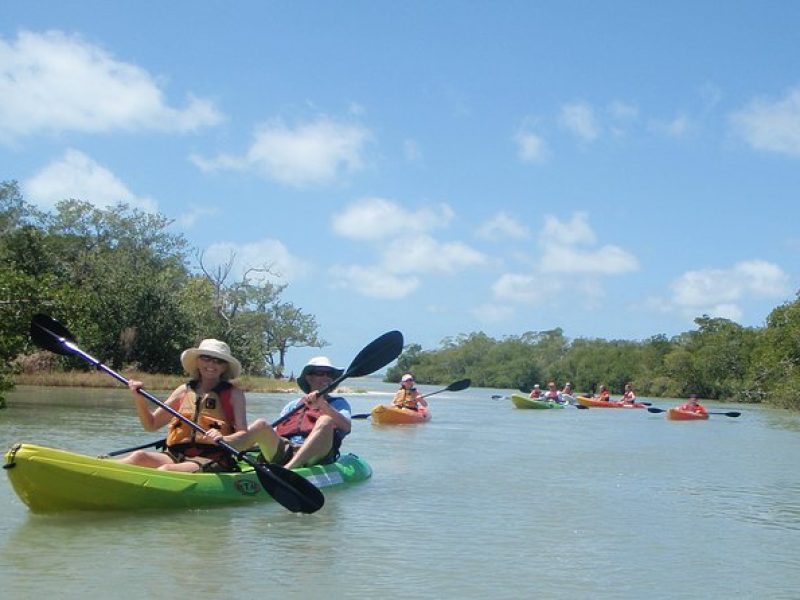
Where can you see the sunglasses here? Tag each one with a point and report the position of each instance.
(321, 372)
(214, 359)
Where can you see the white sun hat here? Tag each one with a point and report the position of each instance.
(215, 348)
(318, 362)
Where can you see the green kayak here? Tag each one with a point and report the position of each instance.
(523, 401)
(50, 480)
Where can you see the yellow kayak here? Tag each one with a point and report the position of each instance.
(386, 414)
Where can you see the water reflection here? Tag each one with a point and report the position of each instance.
(485, 501)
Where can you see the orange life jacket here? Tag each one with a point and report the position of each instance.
(406, 398)
(214, 409)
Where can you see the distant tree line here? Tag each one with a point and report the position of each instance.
(133, 293)
(719, 360)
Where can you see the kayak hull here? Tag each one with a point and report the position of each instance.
(387, 414)
(675, 414)
(595, 403)
(51, 480)
(523, 401)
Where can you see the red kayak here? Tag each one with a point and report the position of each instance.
(595, 403)
(676, 414)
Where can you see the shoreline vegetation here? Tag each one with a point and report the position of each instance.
(153, 381)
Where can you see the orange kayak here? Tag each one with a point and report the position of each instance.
(595, 403)
(675, 414)
(388, 414)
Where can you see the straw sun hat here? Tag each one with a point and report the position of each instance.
(318, 362)
(215, 348)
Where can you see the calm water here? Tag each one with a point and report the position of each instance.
(485, 501)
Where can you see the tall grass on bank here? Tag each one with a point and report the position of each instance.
(97, 379)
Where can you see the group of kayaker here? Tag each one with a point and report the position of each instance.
(563, 396)
(566, 395)
(309, 431)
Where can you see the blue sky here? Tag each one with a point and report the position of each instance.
(615, 169)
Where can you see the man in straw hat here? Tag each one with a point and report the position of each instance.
(209, 399)
(314, 427)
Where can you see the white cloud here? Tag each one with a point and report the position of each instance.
(412, 151)
(189, 219)
(567, 249)
(623, 111)
(373, 281)
(563, 257)
(264, 254)
(721, 292)
(773, 126)
(708, 289)
(503, 226)
(531, 148)
(51, 82)
(402, 245)
(607, 260)
(423, 254)
(678, 127)
(579, 118)
(575, 231)
(522, 289)
(492, 313)
(311, 154)
(375, 219)
(77, 176)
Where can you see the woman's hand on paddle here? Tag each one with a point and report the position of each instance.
(135, 386)
(215, 435)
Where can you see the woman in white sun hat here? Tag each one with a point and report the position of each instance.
(310, 429)
(209, 399)
(408, 396)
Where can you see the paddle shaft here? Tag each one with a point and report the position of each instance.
(155, 444)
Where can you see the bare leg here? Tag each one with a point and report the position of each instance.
(317, 445)
(261, 433)
(144, 458)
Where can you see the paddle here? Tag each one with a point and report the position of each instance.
(289, 489)
(732, 413)
(157, 444)
(456, 386)
(378, 353)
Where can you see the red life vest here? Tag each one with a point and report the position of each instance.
(300, 422)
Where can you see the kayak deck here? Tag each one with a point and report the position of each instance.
(51, 480)
(523, 401)
(387, 414)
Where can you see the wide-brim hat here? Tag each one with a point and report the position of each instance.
(318, 362)
(215, 348)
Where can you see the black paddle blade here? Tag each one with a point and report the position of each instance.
(378, 353)
(653, 409)
(457, 386)
(289, 489)
(49, 334)
(361, 416)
